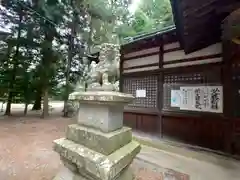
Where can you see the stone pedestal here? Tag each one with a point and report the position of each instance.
(98, 147)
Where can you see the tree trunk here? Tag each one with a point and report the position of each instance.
(2, 106)
(46, 65)
(26, 109)
(9, 103)
(5, 101)
(66, 94)
(70, 57)
(38, 101)
(65, 109)
(45, 112)
(15, 65)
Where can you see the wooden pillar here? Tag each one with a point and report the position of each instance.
(160, 87)
(228, 108)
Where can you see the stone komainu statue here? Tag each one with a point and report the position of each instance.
(104, 75)
(101, 76)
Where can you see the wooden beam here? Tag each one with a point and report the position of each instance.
(228, 8)
(194, 59)
(141, 56)
(141, 66)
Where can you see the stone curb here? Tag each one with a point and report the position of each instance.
(209, 156)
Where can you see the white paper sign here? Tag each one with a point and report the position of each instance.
(141, 93)
(202, 98)
(186, 98)
(216, 99)
(175, 98)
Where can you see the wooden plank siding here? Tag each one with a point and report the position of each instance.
(145, 122)
(202, 129)
(190, 54)
(206, 131)
(135, 65)
(144, 60)
(168, 58)
(176, 57)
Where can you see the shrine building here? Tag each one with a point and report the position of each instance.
(186, 78)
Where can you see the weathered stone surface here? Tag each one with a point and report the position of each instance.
(67, 163)
(102, 97)
(66, 174)
(105, 143)
(106, 118)
(98, 147)
(94, 163)
(102, 110)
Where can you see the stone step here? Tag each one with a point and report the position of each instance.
(96, 164)
(104, 143)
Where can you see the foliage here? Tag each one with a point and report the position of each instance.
(43, 55)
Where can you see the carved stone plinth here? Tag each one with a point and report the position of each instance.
(98, 147)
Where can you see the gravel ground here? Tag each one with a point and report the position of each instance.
(26, 148)
(144, 170)
(26, 151)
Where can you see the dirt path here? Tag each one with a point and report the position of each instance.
(26, 151)
(26, 148)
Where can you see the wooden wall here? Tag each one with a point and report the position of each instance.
(144, 60)
(165, 65)
(209, 131)
(142, 121)
(232, 88)
(174, 56)
(202, 67)
(142, 114)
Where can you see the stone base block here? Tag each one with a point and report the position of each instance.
(107, 118)
(95, 164)
(102, 110)
(105, 143)
(66, 174)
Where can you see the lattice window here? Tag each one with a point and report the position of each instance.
(175, 81)
(184, 78)
(148, 83)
